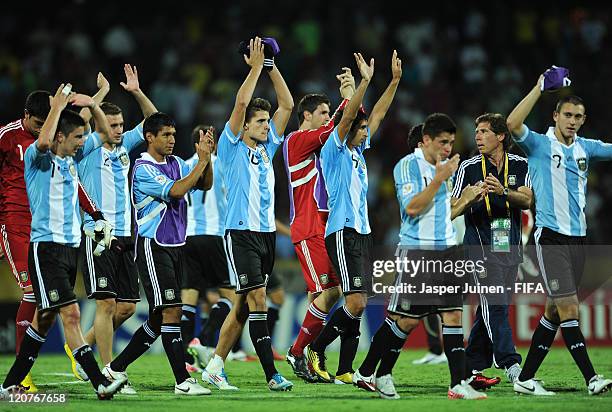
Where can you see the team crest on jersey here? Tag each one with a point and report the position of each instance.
(169, 293)
(582, 164)
(23, 276)
(405, 304)
(554, 285)
(124, 159)
(72, 170)
(102, 282)
(483, 273)
(407, 189)
(511, 180)
(161, 179)
(244, 279)
(53, 295)
(357, 281)
(324, 279)
(264, 155)
(449, 185)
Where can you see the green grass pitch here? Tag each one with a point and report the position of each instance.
(421, 388)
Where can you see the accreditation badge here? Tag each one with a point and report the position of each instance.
(500, 235)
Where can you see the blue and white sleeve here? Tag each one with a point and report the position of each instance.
(598, 150)
(133, 138)
(407, 176)
(529, 141)
(152, 182)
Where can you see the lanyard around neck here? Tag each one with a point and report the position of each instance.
(484, 175)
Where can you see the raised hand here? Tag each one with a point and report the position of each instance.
(206, 145)
(256, 53)
(131, 79)
(102, 82)
(446, 169)
(347, 83)
(81, 100)
(62, 96)
(367, 71)
(396, 66)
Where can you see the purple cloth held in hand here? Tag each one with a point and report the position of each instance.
(555, 78)
(271, 47)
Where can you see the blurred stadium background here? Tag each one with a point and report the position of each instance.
(461, 58)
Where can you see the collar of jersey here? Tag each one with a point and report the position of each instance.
(146, 156)
(551, 133)
(418, 152)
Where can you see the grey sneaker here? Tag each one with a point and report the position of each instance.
(386, 387)
(513, 372)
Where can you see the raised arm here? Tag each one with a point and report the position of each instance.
(132, 85)
(58, 103)
(285, 101)
(382, 105)
(517, 117)
(245, 93)
(102, 125)
(103, 89)
(350, 111)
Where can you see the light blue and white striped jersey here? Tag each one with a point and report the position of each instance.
(206, 211)
(249, 178)
(104, 174)
(433, 227)
(159, 216)
(52, 187)
(346, 180)
(559, 177)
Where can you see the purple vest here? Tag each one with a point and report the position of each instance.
(172, 226)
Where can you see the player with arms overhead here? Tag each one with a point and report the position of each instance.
(245, 150)
(308, 214)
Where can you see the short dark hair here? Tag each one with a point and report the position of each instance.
(155, 122)
(110, 108)
(497, 124)
(309, 103)
(37, 104)
(437, 123)
(255, 105)
(195, 133)
(569, 99)
(68, 121)
(415, 136)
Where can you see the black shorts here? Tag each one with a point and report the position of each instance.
(112, 274)
(53, 269)
(205, 263)
(349, 253)
(161, 271)
(251, 257)
(419, 304)
(561, 260)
